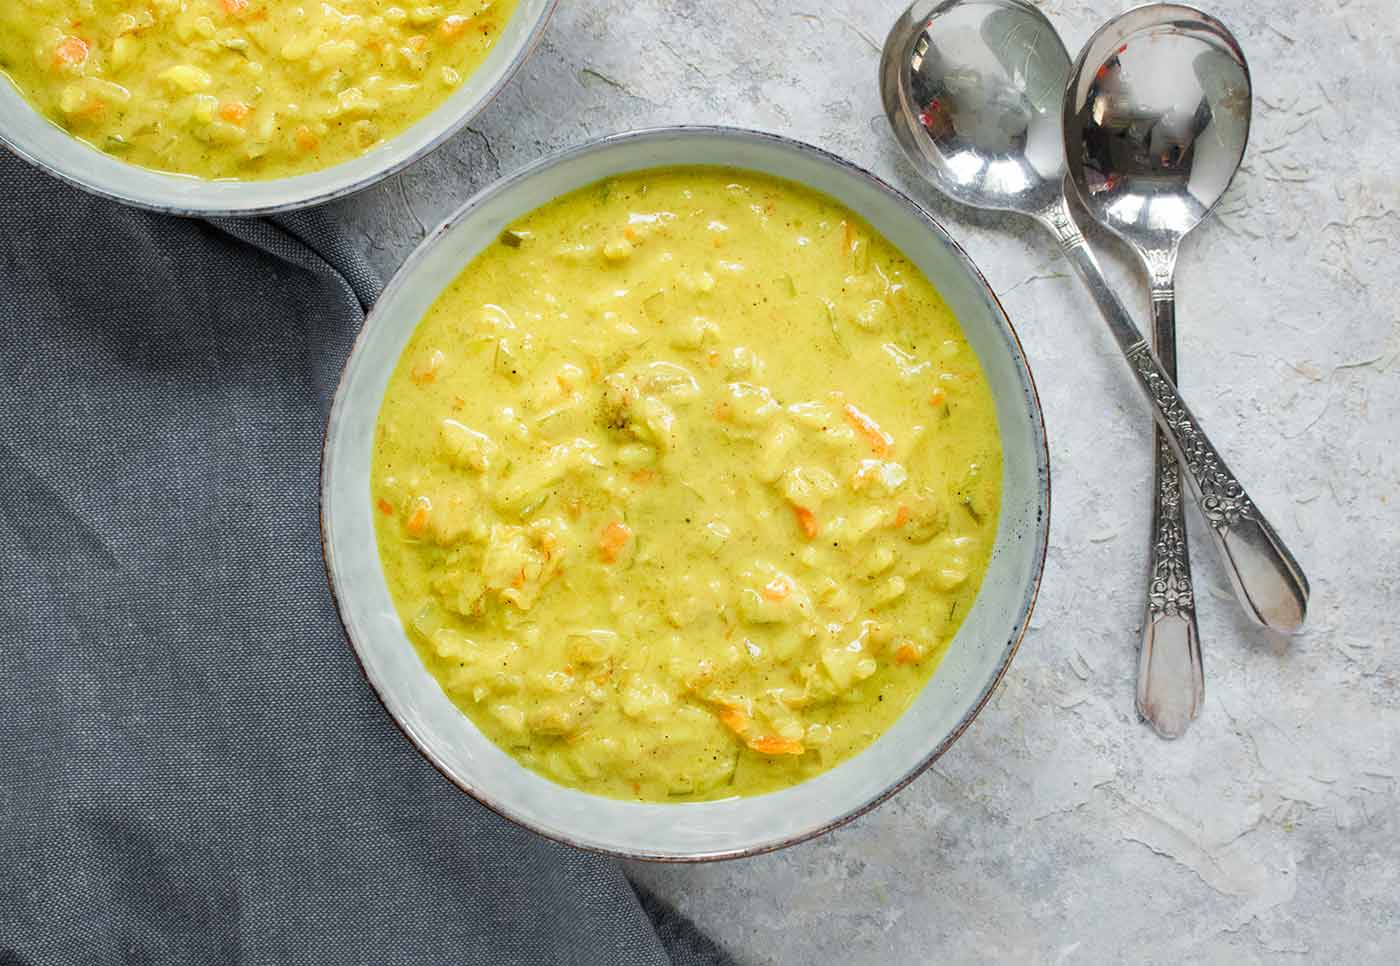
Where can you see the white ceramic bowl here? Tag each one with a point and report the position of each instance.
(43, 143)
(708, 830)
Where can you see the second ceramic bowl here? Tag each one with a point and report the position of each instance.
(44, 144)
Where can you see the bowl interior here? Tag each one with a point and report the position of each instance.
(44, 143)
(974, 663)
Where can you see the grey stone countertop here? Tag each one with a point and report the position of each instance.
(1060, 830)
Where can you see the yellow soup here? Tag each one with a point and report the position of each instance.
(685, 484)
(242, 88)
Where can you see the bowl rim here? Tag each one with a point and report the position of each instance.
(1039, 442)
(99, 188)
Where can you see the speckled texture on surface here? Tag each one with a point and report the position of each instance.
(1059, 830)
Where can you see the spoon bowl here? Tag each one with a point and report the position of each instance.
(1157, 117)
(976, 103)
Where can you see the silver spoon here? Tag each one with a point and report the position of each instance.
(974, 90)
(1156, 117)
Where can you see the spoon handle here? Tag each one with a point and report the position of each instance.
(1171, 681)
(1267, 580)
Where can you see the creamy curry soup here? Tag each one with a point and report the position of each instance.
(242, 88)
(685, 484)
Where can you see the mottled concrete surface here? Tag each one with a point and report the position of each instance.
(1059, 830)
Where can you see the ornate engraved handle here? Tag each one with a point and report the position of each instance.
(1171, 679)
(1267, 580)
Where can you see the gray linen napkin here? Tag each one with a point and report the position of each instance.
(192, 767)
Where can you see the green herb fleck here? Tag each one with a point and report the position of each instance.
(835, 327)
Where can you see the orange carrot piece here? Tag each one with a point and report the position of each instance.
(777, 589)
(70, 52)
(901, 516)
(643, 476)
(615, 538)
(418, 522)
(880, 441)
(906, 653)
(234, 7)
(774, 745)
(734, 719)
(235, 112)
(306, 140)
(938, 397)
(807, 520)
(385, 507)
